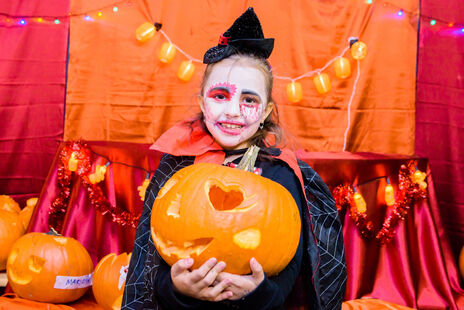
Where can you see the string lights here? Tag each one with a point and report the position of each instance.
(411, 188)
(75, 158)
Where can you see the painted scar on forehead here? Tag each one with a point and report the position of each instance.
(251, 113)
(231, 88)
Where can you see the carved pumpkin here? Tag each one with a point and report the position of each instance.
(461, 262)
(11, 229)
(208, 210)
(9, 204)
(49, 268)
(26, 213)
(109, 278)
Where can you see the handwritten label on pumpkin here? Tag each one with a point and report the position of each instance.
(69, 283)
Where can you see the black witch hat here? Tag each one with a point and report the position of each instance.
(244, 36)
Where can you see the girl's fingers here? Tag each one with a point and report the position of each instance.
(212, 274)
(198, 274)
(180, 266)
(224, 295)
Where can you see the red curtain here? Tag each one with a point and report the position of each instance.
(440, 109)
(32, 92)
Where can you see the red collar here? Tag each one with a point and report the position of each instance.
(190, 139)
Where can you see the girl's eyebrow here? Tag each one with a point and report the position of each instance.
(219, 88)
(250, 92)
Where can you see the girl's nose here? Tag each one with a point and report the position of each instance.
(232, 108)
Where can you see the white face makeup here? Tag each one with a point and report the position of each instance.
(234, 103)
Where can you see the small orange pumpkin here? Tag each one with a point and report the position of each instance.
(11, 229)
(208, 210)
(109, 278)
(26, 213)
(461, 262)
(49, 268)
(9, 204)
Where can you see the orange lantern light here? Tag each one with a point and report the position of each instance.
(98, 175)
(167, 53)
(294, 92)
(359, 50)
(186, 70)
(360, 202)
(389, 195)
(418, 176)
(342, 68)
(143, 188)
(145, 32)
(322, 83)
(72, 164)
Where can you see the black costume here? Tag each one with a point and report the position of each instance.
(319, 261)
(323, 267)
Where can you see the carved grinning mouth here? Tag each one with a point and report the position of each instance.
(187, 249)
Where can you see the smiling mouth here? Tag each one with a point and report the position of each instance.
(230, 128)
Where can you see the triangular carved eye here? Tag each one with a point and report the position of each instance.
(224, 198)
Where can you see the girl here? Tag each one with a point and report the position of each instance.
(237, 112)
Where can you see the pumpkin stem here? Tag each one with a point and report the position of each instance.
(248, 160)
(53, 232)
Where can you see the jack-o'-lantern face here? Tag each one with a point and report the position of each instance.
(37, 261)
(207, 210)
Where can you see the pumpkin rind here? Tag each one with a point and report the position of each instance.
(37, 259)
(208, 210)
(106, 286)
(9, 204)
(11, 229)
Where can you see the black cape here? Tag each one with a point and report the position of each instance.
(323, 269)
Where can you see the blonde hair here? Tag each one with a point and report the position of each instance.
(270, 126)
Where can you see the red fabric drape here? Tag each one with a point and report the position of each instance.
(416, 269)
(440, 109)
(32, 93)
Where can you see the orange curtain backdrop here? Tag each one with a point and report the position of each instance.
(119, 91)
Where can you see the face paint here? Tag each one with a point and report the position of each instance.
(234, 103)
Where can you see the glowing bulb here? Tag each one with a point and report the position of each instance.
(57, 21)
(87, 17)
(39, 19)
(462, 29)
(433, 22)
(72, 164)
(294, 92)
(186, 70)
(100, 14)
(450, 24)
(115, 9)
(360, 203)
(167, 53)
(389, 195)
(400, 13)
(22, 22)
(369, 1)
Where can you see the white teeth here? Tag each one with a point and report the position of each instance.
(231, 126)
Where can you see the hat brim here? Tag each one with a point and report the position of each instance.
(258, 47)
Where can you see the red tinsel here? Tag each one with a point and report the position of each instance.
(96, 197)
(408, 193)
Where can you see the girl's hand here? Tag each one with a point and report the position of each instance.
(242, 285)
(200, 283)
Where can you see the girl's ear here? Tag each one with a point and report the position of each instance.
(267, 111)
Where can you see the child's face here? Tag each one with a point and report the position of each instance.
(234, 103)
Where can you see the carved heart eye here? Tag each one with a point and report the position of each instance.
(228, 198)
(223, 199)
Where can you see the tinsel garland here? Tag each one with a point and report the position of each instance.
(408, 193)
(96, 197)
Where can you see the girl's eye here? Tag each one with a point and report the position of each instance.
(250, 100)
(220, 97)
